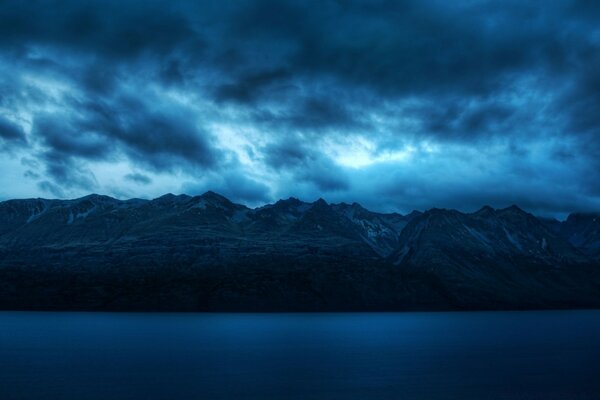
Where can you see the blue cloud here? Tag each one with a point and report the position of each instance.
(398, 105)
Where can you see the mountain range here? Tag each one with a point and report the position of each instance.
(206, 253)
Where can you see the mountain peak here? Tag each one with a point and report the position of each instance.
(352, 206)
(168, 196)
(513, 209)
(213, 199)
(286, 204)
(290, 200)
(413, 214)
(96, 197)
(485, 210)
(212, 195)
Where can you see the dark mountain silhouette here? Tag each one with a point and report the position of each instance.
(207, 253)
(583, 231)
(495, 257)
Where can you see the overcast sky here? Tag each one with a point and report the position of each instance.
(398, 105)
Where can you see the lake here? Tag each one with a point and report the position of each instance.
(471, 355)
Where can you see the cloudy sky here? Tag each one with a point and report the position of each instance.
(398, 105)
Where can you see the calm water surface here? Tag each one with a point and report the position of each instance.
(496, 355)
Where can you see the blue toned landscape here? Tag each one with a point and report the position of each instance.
(452, 355)
(299, 200)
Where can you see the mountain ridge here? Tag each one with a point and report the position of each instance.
(181, 252)
(208, 193)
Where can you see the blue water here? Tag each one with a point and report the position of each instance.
(495, 355)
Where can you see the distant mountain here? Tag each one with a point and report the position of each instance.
(583, 232)
(208, 253)
(494, 257)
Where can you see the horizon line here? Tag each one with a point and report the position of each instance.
(208, 192)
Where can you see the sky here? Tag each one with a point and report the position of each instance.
(397, 105)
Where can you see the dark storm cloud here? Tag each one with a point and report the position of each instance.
(582, 101)
(250, 86)
(326, 177)
(460, 120)
(9, 131)
(402, 47)
(455, 57)
(138, 178)
(287, 154)
(317, 113)
(306, 164)
(114, 29)
(146, 83)
(163, 139)
(154, 134)
(65, 139)
(394, 47)
(51, 188)
(68, 172)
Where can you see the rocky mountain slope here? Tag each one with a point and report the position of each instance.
(207, 253)
(494, 257)
(583, 231)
